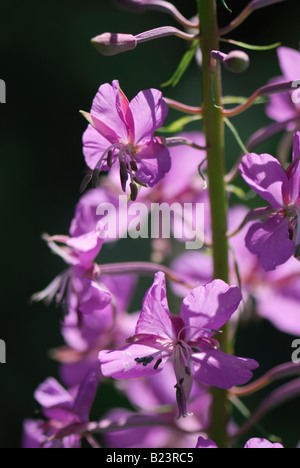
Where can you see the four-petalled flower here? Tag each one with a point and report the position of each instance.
(186, 340)
(277, 239)
(123, 131)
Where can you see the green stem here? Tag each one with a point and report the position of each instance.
(214, 131)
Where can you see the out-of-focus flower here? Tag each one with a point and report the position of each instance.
(252, 443)
(99, 330)
(277, 239)
(61, 408)
(185, 339)
(123, 131)
(77, 288)
(286, 106)
(273, 291)
(155, 395)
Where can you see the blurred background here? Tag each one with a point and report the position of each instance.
(51, 72)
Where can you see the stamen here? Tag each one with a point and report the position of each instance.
(97, 169)
(134, 191)
(145, 360)
(123, 174)
(157, 364)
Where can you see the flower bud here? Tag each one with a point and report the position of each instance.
(237, 61)
(112, 44)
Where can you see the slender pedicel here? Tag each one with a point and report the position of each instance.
(263, 91)
(162, 6)
(253, 6)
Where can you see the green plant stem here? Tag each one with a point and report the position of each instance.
(214, 131)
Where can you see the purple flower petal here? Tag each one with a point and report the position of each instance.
(206, 443)
(153, 162)
(265, 175)
(94, 146)
(107, 110)
(122, 364)
(289, 60)
(271, 305)
(92, 297)
(281, 106)
(271, 242)
(155, 315)
(86, 396)
(261, 444)
(183, 175)
(210, 307)
(149, 112)
(50, 393)
(216, 369)
(195, 268)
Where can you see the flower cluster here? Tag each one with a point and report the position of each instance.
(168, 359)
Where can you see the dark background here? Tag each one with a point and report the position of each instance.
(52, 72)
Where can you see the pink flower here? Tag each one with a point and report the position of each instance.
(273, 291)
(282, 107)
(123, 131)
(277, 239)
(186, 340)
(61, 409)
(77, 288)
(104, 328)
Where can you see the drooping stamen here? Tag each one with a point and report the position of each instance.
(86, 180)
(134, 191)
(145, 360)
(157, 364)
(123, 172)
(97, 169)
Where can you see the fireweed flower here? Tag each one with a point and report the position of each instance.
(282, 106)
(254, 443)
(102, 329)
(186, 340)
(77, 288)
(61, 408)
(278, 238)
(123, 131)
(273, 291)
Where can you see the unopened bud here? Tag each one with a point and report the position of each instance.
(237, 61)
(114, 43)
